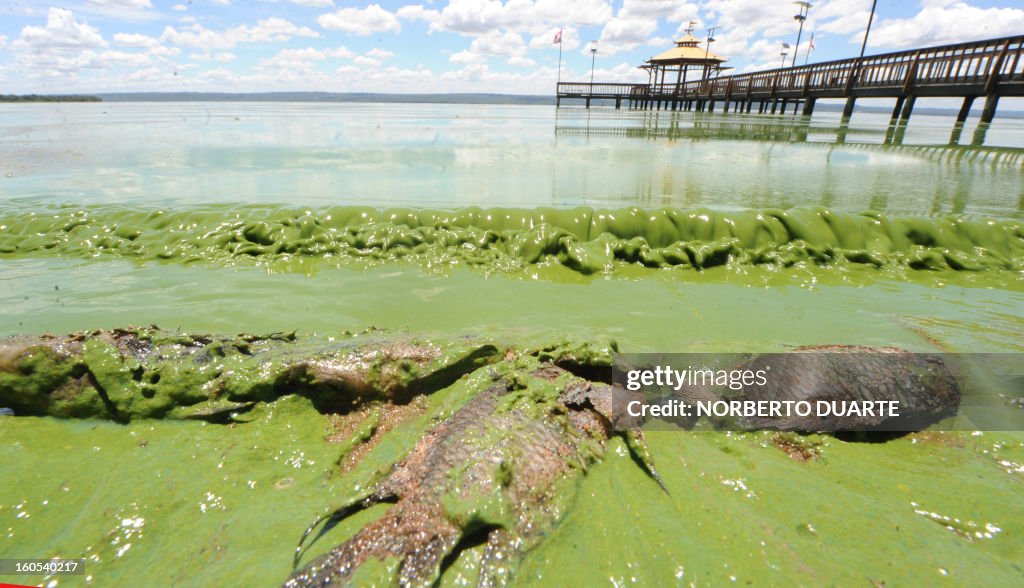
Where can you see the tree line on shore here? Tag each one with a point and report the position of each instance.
(49, 98)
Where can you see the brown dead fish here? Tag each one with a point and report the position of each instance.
(924, 386)
(504, 467)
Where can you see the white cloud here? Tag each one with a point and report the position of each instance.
(945, 21)
(339, 53)
(314, 3)
(366, 61)
(265, 31)
(625, 34)
(417, 12)
(520, 61)
(180, 7)
(131, 4)
(198, 37)
(573, 12)
(495, 44)
(271, 29)
(498, 43)
(135, 40)
(219, 57)
(467, 57)
(161, 51)
(53, 64)
(62, 31)
(303, 59)
(366, 21)
(380, 53)
(474, 17)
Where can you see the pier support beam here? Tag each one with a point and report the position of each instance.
(809, 106)
(848, 109)
(965, 110)
(908, 108)
(897, 110)
(978, 140)
(954, 137)
(989, 112)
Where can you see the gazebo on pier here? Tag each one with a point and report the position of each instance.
(675, 64)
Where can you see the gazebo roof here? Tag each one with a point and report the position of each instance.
(687, 52)
(689, 39)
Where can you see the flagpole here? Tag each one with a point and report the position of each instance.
(559, 56)
(810, 46)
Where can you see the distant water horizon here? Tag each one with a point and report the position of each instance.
(1008, 109)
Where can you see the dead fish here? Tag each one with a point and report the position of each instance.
(503, 467)
(924, 386)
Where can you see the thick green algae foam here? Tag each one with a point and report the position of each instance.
(584, 240)
(196, 503)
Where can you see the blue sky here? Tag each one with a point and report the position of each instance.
(433, 45)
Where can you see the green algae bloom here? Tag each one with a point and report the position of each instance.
(583, 239)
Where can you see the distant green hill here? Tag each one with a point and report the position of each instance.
(49, 98)
(326, 97)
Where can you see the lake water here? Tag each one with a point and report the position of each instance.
(262, 217)
(449, 156)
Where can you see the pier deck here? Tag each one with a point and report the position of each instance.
(988, 69)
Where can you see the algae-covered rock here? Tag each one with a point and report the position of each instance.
(149, 373)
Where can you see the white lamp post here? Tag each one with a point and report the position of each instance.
(805, 7)
(593, 60)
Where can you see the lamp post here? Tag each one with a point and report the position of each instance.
(707, 49)
(805, 7)
(868, 30)
(785, 52)
(593, 60)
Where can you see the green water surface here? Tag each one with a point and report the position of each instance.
(219, 218)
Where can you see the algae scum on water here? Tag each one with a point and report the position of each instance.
(435, 292)
(583, 239)
(499, 455)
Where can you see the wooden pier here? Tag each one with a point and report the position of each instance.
(988, 69)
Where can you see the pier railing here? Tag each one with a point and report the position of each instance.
(965, 69)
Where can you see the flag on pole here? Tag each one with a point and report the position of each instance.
(811, 46)
(558, 41)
